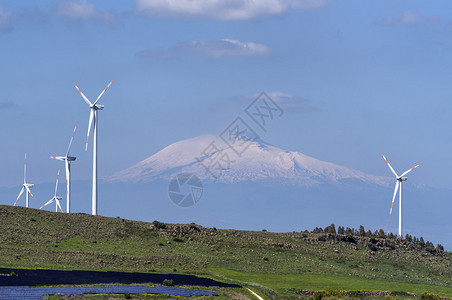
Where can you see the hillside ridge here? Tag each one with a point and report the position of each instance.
(41, 239)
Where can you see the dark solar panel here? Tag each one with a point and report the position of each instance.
(25, 292)
(28, 277)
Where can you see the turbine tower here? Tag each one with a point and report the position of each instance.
(94, 107)
(55, 197)
(26, 186)
(399, 180)
(67, 161)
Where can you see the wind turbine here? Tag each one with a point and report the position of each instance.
(26, 186)
(399, 180)
(67, 161)
(93, 117)
(55, 197)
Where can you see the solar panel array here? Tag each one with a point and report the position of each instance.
(35, 293)
(29, 277)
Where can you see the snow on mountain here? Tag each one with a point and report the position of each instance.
(259, 162)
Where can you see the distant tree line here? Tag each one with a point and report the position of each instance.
(376, 234)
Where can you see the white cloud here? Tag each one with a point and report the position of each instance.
(212, 49)
(286, 101)
(83, 10)
(223, 9)
(409, 18)
(223, 48)
(5, 20)
(76, 10)
(292, 102)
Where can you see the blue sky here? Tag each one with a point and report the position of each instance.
(354, 77)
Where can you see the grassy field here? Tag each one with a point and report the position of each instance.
(276, 265)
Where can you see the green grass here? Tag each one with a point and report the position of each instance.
(282, 283)
(276, 262)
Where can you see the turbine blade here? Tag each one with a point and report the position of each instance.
(98, 98)
(393, 197)
(89, 129)
(56, 184)
(390, 167)
(28, 190)
(47, 203)
(58, 204)
(409, 170)
(72, 138)
(20, 194)
(84, 97)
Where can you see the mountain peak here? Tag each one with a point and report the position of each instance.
(213, 159)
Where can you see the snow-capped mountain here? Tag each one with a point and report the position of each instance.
(258, 161)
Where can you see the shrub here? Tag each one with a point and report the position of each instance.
(168, 282)
(430, 249)
(317, 230)
(362, 232)
(194, 227)
(266, 258)
(322, 238)
(159, 225)
(127, 296)
(32, 219)
(390, 245)
(372, 247)
(421, 242)
(178, 240)
(349, 231)
(350, 239)
(264, 230)
(12, 274)
(327, 294)
(428, 296)
(330, 229)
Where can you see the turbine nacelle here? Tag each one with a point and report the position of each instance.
(402, 178)
(97, 106)
(58, 157)
(30, 185)
(71, 158)
(58, 197)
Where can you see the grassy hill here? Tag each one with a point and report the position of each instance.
(280, 265)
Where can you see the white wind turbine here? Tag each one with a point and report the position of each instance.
(67, 161)
(93, 117)
(398, 185)
(55, 197)
(26, 186)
